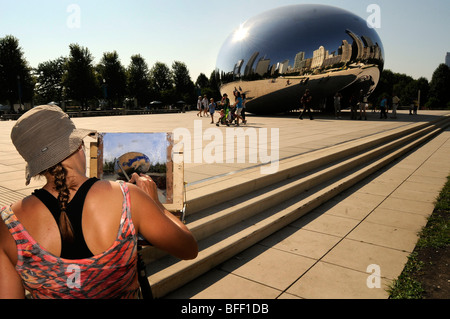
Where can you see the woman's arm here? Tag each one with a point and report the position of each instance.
(157, 225)
(10, 282)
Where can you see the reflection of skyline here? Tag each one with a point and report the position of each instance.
(154, 145)
(361, 50)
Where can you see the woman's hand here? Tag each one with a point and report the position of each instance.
(145, 183)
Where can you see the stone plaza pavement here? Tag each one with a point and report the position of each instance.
(336, 251)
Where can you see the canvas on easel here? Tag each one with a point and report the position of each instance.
(116, 156)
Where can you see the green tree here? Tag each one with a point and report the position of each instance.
(208, 87)
(214, 85)
(16, 82)
(184, 87)
(440, 87)
(80, 79)
(139, 80)
(424, 87)
(402, 85)
(112, 78)
(49, 77)
(162, 82)
(405, 87)
(202, 81)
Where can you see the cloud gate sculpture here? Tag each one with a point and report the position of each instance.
(275, 56)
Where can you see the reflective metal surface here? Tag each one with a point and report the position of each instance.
(275, 56)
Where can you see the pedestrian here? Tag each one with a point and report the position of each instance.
(77, 237)
(362, 105)
(205, 105)
(244, 100)
(238, 106)
(225, 104)
(388, 103)
(415, 107)
(212, 108)
(395, 103)
(306, 104)
(383, 106)
(337, 105)
(199, 106)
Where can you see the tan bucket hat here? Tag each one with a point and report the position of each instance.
(45, 136)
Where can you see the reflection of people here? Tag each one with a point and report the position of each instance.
(77, 237)
(337, 105)
(306, 103)
(212, 108)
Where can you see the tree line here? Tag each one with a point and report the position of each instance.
(77, 81)
(433, 95)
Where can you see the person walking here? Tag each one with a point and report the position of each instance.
(205, 105)
(199, 106)
(238, 105)
(225, 104)
(77, 237)
(383, 106)
(306, 103)
(212, 108)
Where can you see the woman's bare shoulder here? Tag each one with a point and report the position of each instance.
(26, 207)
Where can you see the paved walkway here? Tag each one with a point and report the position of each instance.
(337, 250)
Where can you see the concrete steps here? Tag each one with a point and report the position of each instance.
(241, 212)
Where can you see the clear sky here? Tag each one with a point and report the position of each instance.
(415, 33)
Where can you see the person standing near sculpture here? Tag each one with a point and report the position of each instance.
(199, 106)
(337, 105)
(212, 109)
(388, 103)
(225, 104)
(362, 105)
(205, 105)
(354, 106)
(306, 104)
(395, 103)
(238, 105)
(383, 106)
(244, 100)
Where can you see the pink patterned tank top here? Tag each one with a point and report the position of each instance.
(112, 274)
